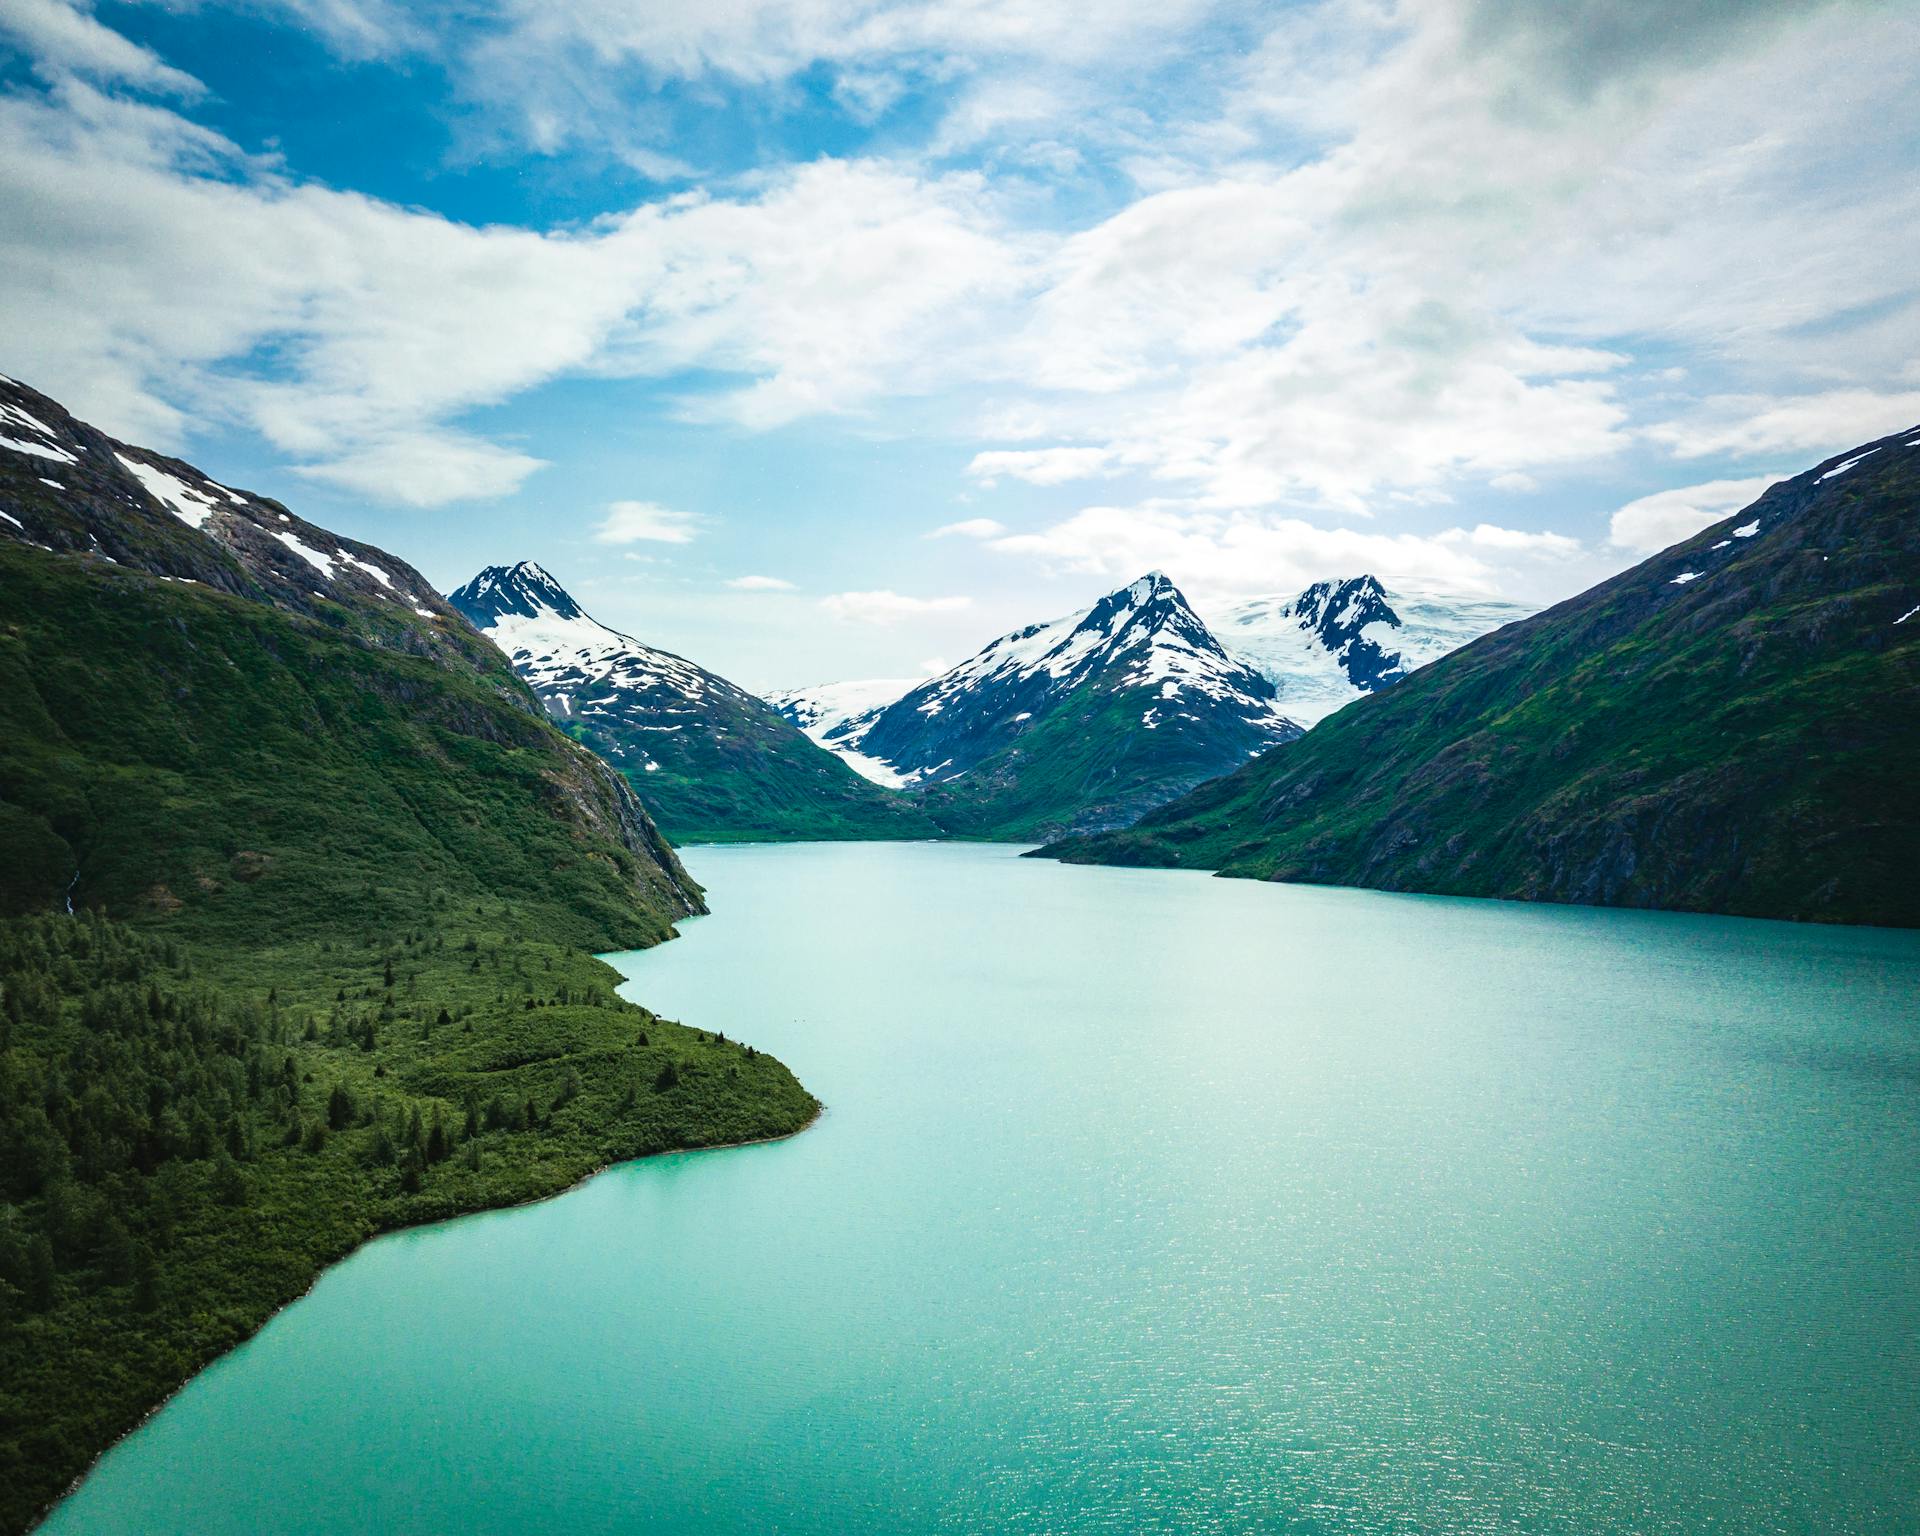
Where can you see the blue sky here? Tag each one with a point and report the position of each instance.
(829, 338)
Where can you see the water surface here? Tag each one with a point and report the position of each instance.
(1151, 1202)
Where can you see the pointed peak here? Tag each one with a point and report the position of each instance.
(1154, 587)
(525, 589)
(1344, 604)
(1152, 599)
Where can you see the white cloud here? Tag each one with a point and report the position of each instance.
(759, 584)
(1818, 424)
(1654, 522)
(634, 522)
(1555, 546)
(1041, 466)
(149, 264)
(355, 29)
(427, 469)
(553, 58)
(885, 607)
(62, 38)
(969, 528)
(1392, 251)
(1225, 554)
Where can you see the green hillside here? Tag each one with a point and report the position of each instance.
(1732, 726)
(335, 885)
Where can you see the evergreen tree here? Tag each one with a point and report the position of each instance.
(340, 1108)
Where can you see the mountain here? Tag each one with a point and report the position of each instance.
(1731, 726)
(834, 715)
(299, 894)
(713, 762)
(1340, 640)
(1081, 723)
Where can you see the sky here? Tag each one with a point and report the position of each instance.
(818, 339)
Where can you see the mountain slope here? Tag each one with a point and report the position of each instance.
(1731, 726)
(334, 883)
(1340, 640)
(1084, 722)
(712, 761)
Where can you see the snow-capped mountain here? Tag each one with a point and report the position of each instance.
(1340, 640)
(583, 671)
(709, 758)
(1090, 719)
(74, 490)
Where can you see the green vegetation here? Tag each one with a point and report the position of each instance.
(1086, 763)
(185, 1145)
(330, 974)
(754, 778)
(1746, 741)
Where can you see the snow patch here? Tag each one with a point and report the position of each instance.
(318, 559)
(372, 570)
(14, 520)
(1907, 615)
(188, 503)
(1748, 530)
(1683, 578)
(39, 450)
(1841, 469)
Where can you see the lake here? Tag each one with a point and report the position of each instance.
(1148, 1202)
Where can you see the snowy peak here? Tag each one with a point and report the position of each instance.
(1341, 639)
(1143, 639)
(521, 591)
(1339, 610)
(1143, 632)
(580, 668)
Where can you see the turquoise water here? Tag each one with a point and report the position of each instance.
(1149, 1202)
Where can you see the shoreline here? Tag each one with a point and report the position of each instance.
(819, 1111)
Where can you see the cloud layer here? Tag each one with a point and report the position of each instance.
(1256, 294)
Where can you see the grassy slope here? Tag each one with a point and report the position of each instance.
(1747, 743)
(295, 810)
(1086, 764)
(758, 779)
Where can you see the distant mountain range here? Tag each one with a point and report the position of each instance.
(1730, 726)
(1082, 722)
(712, 761)
(1341, 640)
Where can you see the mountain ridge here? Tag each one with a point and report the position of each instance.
(1732, 725)
(712, 761)
(1078, 721)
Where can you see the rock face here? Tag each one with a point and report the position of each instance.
(1341, 640)
(71, 489)
(1731, 726)
(1079, 723)
(711, 761)
(186, 664)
